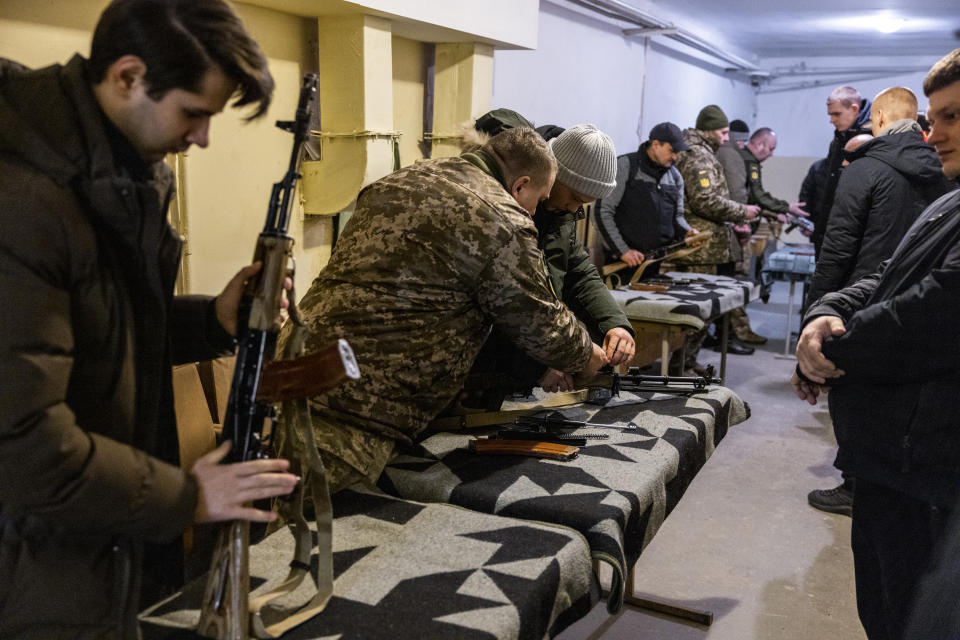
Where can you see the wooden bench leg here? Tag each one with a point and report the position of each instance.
(693, 615)
(698, 616)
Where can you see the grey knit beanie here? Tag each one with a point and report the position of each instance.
(586, 160)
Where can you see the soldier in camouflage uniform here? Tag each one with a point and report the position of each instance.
(586, 170)
(434, 255)
(708, 207)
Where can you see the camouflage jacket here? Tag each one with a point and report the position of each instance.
(434, 255)
(708, 200)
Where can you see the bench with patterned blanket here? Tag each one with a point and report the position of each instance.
(617, 492)
(407, 571)
(691, 305)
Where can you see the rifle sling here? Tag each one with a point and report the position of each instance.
(300, 448)
(680, 253)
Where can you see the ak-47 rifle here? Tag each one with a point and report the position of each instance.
(258, 383)
(609, 383)
(793, 220)
(680, 249)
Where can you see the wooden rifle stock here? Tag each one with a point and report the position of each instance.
(225, 611)
(531, 448)
(226, 596)
(687, 246)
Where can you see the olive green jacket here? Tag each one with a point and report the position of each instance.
(756, 194)
(573, 277)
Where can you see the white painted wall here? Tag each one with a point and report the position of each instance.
(585, 70)
(800, 117)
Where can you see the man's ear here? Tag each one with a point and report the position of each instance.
(855, 107)
(125, 75)
(519, 184)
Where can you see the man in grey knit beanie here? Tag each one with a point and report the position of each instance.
(586, 161)
(586, 171)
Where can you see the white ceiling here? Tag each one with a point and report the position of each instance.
(819, 28)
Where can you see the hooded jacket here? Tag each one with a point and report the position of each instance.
(890, 180)
(833, 169)
(89, 329)
(895, 408)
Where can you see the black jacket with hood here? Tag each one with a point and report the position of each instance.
(833, 169)
(890, 180)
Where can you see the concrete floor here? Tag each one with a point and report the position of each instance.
(743, 543)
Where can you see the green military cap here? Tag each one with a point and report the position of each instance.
(712, 118)
(498, 120)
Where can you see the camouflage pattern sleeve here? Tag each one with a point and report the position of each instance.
(706, 190)
(513, 291)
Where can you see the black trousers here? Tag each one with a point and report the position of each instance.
(893, 539)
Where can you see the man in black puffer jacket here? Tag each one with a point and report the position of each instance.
(889, 347)
(889, 181)
(92, 497)
(850, 114)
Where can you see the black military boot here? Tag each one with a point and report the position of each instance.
(836, 500)
(736, 347)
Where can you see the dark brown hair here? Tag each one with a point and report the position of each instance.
(944, 73)
(179, 40)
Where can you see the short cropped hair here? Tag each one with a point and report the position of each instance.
(761, 133)
(944, 73)
(179, 41)
(847, 96)
(521, 151)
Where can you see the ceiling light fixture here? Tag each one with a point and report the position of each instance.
(889, 24)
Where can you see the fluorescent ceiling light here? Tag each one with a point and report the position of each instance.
(888, 24)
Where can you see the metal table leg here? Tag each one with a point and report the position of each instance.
(724, 337)
(664, 350)
(787, 340)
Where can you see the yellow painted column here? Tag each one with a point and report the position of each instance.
(462, 88)
(356, 110)
(410, 61)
